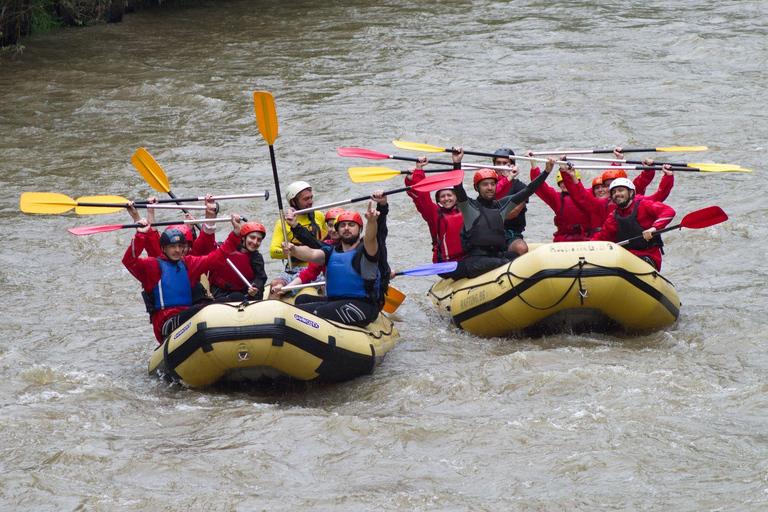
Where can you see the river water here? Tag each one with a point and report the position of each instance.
(673, 420)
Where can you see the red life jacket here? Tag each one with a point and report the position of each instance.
(226, 278)
(446, 244)
(572, 222)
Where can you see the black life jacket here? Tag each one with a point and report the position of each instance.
(486, 236)
(628, 227)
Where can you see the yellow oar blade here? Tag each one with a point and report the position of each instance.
(724, 169)
(46, 202)
(682, 149)
(150, 170)
(370, 174)
(392, 299)
(97, 210)
(415, 146)
(266, 115)
(712, 165)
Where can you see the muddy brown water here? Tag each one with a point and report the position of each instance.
(672, 420)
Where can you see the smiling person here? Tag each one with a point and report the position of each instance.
(226, 284)
(483, 233)
(442, 216)
(634, 217)
(167, 280)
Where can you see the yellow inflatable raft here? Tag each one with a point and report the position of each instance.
(269, 339)
(561, 287)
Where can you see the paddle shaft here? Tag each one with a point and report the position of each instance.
(279, 198)
(174, 222)
(660, 231)
(237, 271)
(143, 205)
(348, 201)
(598, 151)
(264, 194)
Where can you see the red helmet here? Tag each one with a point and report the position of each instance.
(333, 213)
(484, 174)
(350, 217)
(188, 233)
(612, 174)
(597, 181)
(250, 227)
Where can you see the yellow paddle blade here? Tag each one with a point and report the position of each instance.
(713, 165)
(266, 115)
(369, 174)
(45, 202)
(683, 149)
(150, 170)
(724, 169)
(415, 146)
(392, 299)
(97, 210)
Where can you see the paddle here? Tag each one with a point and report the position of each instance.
(680, 149)
(446, 180)
(370, 174)
(239, 274)
(266, 119)
(373, 155)
(51, 203)
(429, 269)
(695, 220)
(703, 167)
(152, 172)
(90, 230)
(655, 167)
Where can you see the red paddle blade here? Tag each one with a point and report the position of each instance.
(90, 230)
(438, 181)
(704, 218)
(361, 153)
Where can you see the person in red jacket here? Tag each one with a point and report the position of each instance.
(442, 216)
(573, 222)
(226, 284)
(167, 280)
(634, 217)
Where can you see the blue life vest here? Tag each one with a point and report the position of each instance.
(342, 280)
(174, 288)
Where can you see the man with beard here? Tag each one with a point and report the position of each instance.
(353, 277)
(482, 235)
(300, 197)
(634, 217)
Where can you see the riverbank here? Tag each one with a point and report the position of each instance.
(19, 18)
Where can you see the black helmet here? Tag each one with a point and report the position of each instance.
(504, 153)
(172, 236)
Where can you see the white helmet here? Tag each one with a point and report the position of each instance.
(622, 182)
(295, 188)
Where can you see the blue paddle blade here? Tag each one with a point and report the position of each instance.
(431, 269)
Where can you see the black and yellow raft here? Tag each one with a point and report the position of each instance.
(269, 340)
(561, 287)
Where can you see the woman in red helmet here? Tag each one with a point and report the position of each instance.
(442, 216)
(483, 233)
(226, 284)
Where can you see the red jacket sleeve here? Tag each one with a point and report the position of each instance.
(146, 270)
(153, 244)
(546, 193)
(642, 181)
(608, 231)
(502, 186)
(204, 244)
(199, 265)
(665, 188)
(423, 201)
(662, 213)
(311, 273)
(581, 196)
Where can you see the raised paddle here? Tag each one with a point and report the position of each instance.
(679, 149)
(266, 119)
(91, 230)
(703, 166)
(654, 167)
(695, 220)
(370, 174)
(151, 171)
(422, 270)
(239, 274)
(445, 180)
(374, 155)
(51, 203)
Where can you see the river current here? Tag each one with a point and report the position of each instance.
(672, 420)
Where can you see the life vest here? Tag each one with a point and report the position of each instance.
(343, 281)
(446, 244)
(173, 289)
(629, 227)
(516, 223)
(486, 236)
(571, 220)
(227, 279)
